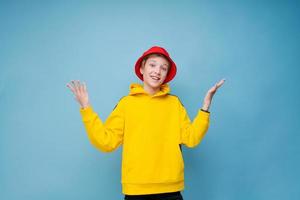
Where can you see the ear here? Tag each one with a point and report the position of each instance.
(142, 67)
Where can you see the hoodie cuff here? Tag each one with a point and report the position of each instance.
(205, 110)
(205, 114)
(86, 113)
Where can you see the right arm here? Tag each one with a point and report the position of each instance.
(104, 136)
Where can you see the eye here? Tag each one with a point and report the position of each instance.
(152, 65)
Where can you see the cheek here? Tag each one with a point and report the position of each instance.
(147, 69)
(163, 76)
(165, 73)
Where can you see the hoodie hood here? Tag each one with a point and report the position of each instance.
(136, 88)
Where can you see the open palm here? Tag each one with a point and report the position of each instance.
(210, 93)
(80, 92)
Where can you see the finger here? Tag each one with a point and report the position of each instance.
(81, 88)
(220, 83)
(84, 87)
(76, 83)
(70, 86)
(212, 89)
(73, 84)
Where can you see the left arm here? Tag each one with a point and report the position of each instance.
(193, 132)
(210, 94)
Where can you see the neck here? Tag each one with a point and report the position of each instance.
(151, 90)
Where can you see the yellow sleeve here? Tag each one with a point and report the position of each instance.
(193, 133)
(106, 136)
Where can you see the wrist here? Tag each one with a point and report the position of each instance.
(205, 107)
(85, 106)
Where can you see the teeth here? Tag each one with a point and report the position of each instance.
(155, 78)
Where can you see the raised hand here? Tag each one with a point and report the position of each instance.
(209, 95)
(80, 92)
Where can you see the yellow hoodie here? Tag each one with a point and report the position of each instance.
(151, 129)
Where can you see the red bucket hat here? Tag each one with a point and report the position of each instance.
(160, 50)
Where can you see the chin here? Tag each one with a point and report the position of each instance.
(155, 85)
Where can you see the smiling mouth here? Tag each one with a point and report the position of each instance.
(155, 78)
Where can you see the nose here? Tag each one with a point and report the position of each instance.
(157, 70)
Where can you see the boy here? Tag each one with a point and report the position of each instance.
(151, 124)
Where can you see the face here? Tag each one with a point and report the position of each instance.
(155, 71)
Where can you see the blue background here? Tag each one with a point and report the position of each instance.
(252, 148)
